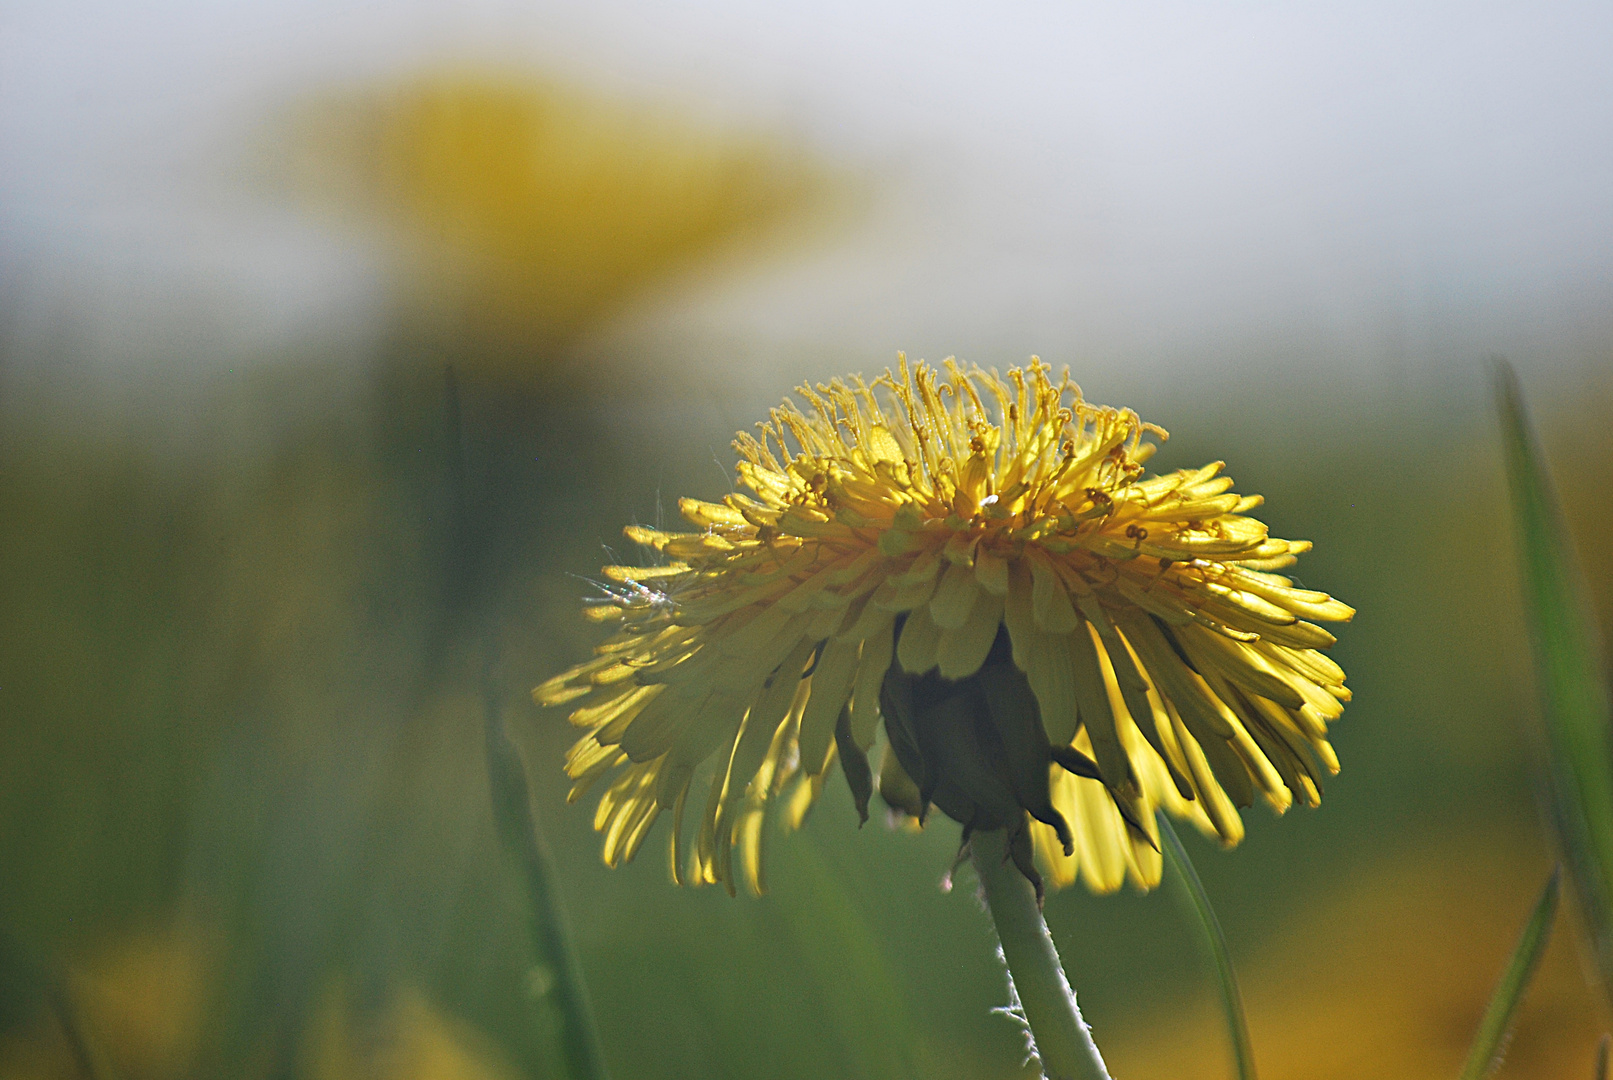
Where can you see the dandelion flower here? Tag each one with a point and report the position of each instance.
(1054, 642)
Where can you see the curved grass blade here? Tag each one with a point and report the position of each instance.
(1568, 662)
(844, 957)
(517, 829)
(1490, 1044)
(551, 937)
(1231, 1000)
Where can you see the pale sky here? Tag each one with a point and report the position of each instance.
(1370, 187)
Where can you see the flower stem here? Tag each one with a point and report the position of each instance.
(1060, 1038)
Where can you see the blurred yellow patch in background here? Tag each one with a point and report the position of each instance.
(408, 1039)
(137, 1008)
(146, 997)
(523, 211)
(1389, 978)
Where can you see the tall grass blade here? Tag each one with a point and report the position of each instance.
(1602, 1047)
(1569, 673)
(555, 955)
(551, 936)
(1231, 1000)
(846, 960)
(1490, 1044)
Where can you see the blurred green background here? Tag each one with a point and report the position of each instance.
(244, 818)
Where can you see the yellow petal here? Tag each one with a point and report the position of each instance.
(707, 514)
(954, 597)
(1097, 719)
(831, 686)
(963, 649)
(991, 571)
(1018, 612)
(916, 649)
(875, 660)
(1050, 603)
(1052, 678)
(1222, 814)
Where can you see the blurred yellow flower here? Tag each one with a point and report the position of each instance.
(1055, 642)
(526, 211)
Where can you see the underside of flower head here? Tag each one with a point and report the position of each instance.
(977, 567)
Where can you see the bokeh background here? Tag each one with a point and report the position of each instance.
(244, 820)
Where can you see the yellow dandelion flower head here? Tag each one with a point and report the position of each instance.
(976, 566)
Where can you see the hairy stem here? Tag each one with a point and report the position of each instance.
(1061, 1038)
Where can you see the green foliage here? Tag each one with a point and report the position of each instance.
(1490, 1044)
(1569, 670)
(210, 708)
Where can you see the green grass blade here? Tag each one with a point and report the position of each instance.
(1602, 1047)
(517, 828)
(844, 957)
(551, 937)
(1490, 1044)
(1231, 1000)
(1568, 662)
